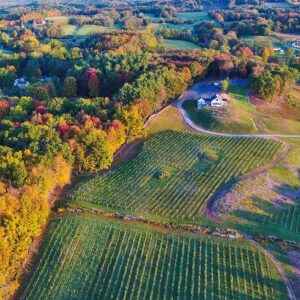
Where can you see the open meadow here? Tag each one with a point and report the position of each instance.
(180, 45)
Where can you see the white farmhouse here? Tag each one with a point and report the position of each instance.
(278, 50)
(296, 44)
(21, 83)
(215, 101)
(201, 103)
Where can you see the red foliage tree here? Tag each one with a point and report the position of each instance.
(93, 83)
(63, 128)
(4, 107)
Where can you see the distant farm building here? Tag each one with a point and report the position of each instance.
(39, 23)
(21, 83)
(296, 44)
(278, 50)
(217, 100)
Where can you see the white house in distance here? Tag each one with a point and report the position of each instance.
(278, 50)
(296, 44)
(21, 83)
(217, 100)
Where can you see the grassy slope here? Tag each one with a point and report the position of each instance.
(241, 116)
(169, 180)
(168, 119)
(90, 258)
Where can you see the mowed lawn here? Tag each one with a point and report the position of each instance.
(85, 257)
(174, 175)
(83, 30)
(180, 45)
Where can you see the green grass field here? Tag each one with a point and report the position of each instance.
(168, 119)
(180, 45)
(89, 258)
(264, 41)
(83, 30)
(195, 17)
(171, 177)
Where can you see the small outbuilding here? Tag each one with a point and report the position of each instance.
(21, 83)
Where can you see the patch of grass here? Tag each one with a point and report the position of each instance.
(263, 41)
(239, 92)
(84, 30)
(285, 176)
(90, 29)
(60, 20)
(69, 29)
(204, 117)
(180, 45)
(167, 119)
(177, 26)
(235, 118)
(276, 124)
(195, 17)
(293, 157)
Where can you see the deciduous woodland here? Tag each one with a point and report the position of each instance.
(78, 82)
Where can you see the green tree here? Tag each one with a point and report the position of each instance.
(225, 85)
(92, 153)
(70, 87)
(32, 69)
(12, 166)
(264, 85)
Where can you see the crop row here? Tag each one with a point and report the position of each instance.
(287, 218)
(185, 188)
(88, 258)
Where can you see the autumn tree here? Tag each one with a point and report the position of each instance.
(225, 85)
(266, 54)
(93, 83)
(12, 166)
(92, 152)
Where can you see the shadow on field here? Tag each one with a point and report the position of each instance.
(268, 219)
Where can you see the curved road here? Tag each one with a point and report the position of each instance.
(198, 128)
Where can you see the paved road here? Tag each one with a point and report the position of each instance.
(207, 89)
